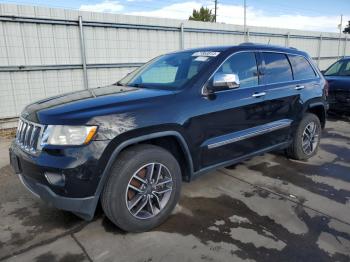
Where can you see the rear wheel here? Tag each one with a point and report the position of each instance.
(306, 138)
(142, 189)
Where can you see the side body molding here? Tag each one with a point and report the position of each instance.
(245, 134)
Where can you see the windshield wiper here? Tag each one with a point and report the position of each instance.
(138, 85)
(118, 84)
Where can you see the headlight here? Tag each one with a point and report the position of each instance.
(68, 135)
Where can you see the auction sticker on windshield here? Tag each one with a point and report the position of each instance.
(201, 58)
(206, 53)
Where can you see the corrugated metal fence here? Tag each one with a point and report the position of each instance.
(46, 51)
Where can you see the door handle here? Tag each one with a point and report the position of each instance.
(299, 87)
(258, 94)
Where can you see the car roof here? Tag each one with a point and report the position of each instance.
(345, 58)
(247, 46)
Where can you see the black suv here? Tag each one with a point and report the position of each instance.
(130, 145)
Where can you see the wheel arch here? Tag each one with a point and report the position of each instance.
(150, 139)
(133, 141)
(319, 109)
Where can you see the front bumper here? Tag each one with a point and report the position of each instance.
(81, 167)
(82, 207)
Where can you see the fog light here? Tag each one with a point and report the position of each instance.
(55, 179)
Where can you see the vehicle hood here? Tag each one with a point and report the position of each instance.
(79, 107)
(338, 83)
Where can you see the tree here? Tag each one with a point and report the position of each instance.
(347, 29)
(204, 14)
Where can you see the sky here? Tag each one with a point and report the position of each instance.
(314, 15)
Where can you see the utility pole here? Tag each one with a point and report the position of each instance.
(340, 26)
(216, 7)
(245, 18)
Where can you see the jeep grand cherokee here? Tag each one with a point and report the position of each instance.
(131, 144)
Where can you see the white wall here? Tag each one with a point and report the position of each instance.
(28, 44)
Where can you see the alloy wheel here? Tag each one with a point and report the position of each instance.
(310, 138)
(149, 190)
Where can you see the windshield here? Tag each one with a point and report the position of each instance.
(340, 68)
(171, 71)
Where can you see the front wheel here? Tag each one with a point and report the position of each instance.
(306, 139)
(142, 189)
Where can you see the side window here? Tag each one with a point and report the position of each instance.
(244, 65)
(346, 71)
(277, 68)
(301, 68)
(348, 66)
(334, 69)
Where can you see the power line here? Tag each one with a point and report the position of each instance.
(281, 8)
(157, 5)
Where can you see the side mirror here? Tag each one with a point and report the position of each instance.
(226, 80)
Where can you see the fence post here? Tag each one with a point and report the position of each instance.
(319, 50)
(287, 40)
(345, 41)
(83, 53)
(247, 35)
(10, 74)
(182, 37)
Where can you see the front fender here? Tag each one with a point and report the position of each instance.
(117, 150)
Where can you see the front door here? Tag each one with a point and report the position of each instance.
(232, 119)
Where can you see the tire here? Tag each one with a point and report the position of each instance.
(296, 151)
(118, 193)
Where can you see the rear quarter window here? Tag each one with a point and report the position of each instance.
(277, 68)
(301, 68)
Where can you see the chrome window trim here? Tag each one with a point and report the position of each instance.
(288, 53)
(310, 64)
(206, 83)
(261, 51)
(249, 133)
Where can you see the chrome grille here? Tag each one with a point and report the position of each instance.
(28, 135)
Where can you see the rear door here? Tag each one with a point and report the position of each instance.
(282, 97)
(307, 83)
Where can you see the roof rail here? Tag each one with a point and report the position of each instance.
(252, 44)
(247, 43)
